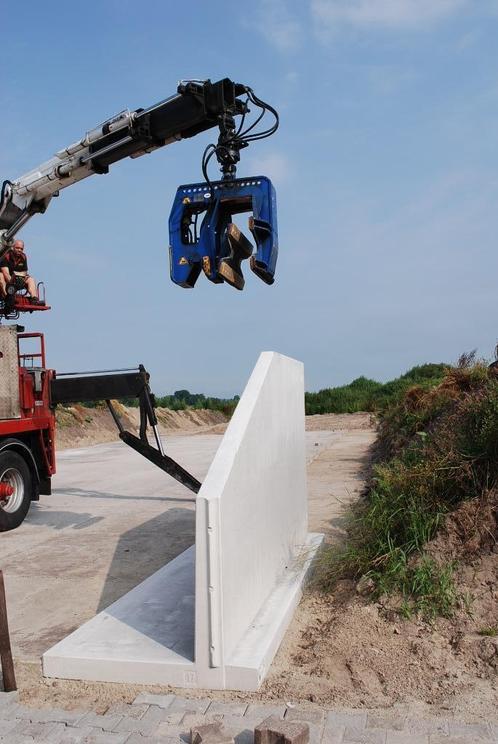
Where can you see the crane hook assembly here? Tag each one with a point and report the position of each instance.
(218, 247)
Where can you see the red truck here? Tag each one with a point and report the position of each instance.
(27, 425)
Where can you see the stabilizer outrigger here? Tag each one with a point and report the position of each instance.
(110, 385)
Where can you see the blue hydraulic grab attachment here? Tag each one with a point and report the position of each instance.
(217, 246)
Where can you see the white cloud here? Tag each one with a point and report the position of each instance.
(275, 165)
(389, 79)
(291, 77)
(469, 40)
(277, 24)
(390, 14)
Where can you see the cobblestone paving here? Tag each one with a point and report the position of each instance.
(167, 719)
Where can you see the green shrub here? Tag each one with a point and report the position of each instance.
(368, 395)
(437, 446)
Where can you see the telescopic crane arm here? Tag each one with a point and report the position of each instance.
(196, 107)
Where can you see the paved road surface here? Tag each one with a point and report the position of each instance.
(167, 719)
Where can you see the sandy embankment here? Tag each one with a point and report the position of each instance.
(78, 426)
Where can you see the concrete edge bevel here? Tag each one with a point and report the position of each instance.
(249, 664)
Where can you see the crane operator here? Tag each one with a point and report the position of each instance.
(14, 272)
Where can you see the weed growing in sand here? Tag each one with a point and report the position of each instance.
(436, 448)
(491, 632)
(429, 590)
(467, 599)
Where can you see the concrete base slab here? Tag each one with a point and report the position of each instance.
(147, 636)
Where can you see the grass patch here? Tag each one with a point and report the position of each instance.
(437, 446)
(428, 589)
(491, 632)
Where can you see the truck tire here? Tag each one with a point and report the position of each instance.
(16, 484)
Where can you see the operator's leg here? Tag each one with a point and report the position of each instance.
(31, 287)
(3, 286)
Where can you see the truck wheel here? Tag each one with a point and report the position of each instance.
(15, 490)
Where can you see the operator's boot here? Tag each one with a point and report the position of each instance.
(240, 250)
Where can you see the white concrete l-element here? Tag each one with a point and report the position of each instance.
(215, 615)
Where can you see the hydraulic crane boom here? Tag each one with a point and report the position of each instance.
(196, 107)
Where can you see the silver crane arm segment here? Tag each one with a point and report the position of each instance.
(196, 107)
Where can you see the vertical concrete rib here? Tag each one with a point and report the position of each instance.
(214, 584)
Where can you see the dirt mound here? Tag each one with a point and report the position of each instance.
(352, 653)
(78, 426)
(344, 649)
(471, 530)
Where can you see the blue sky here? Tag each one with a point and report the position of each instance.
(385, 164)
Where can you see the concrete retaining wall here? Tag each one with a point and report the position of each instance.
(252, 507)
(251, 555)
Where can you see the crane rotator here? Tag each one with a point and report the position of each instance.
(203, 235)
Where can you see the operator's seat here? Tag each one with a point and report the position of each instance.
(17, 302)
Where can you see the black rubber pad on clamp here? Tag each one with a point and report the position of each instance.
(240, 249)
